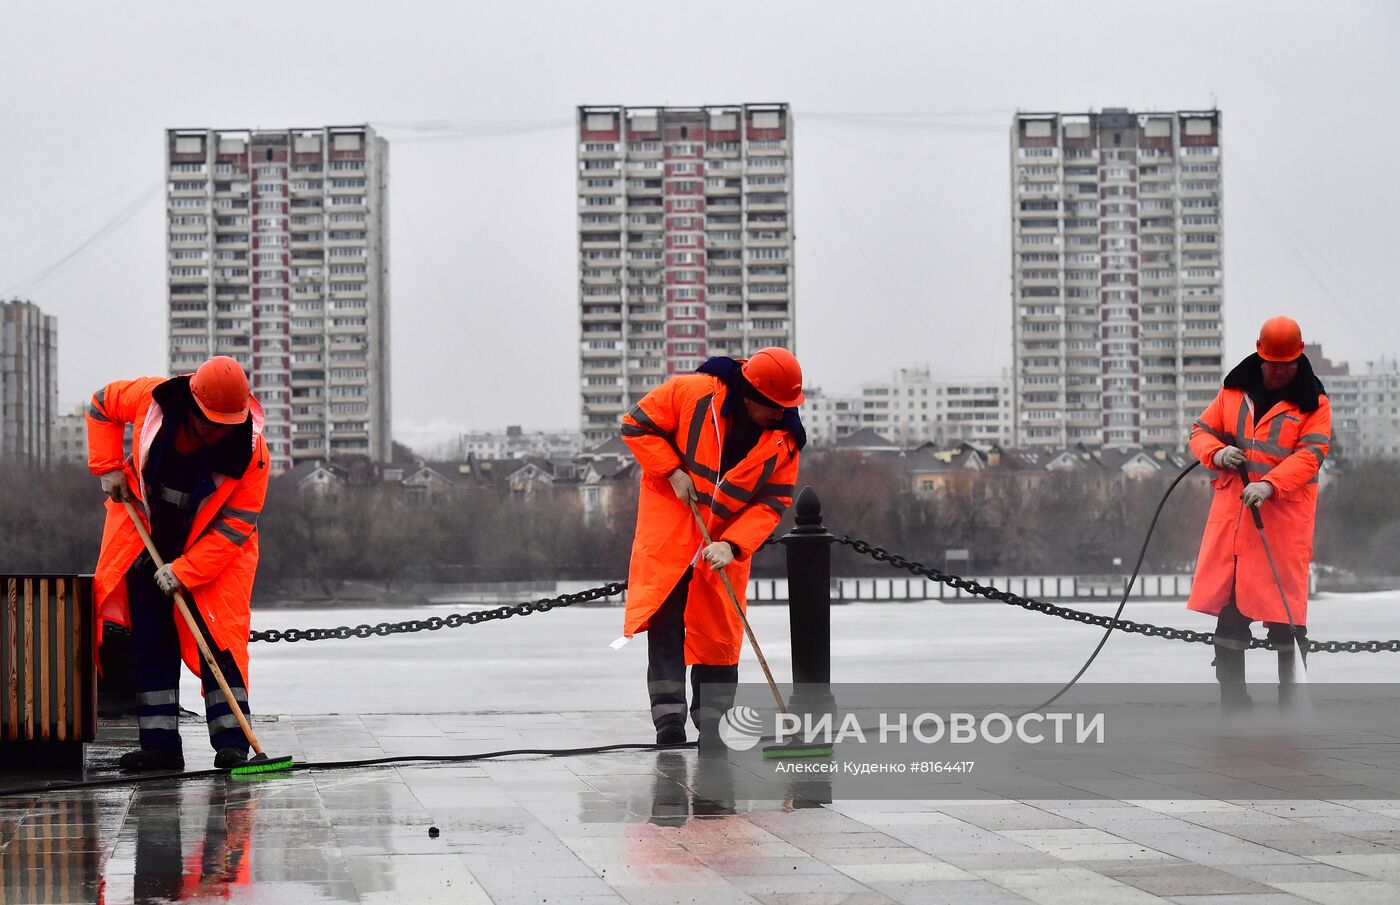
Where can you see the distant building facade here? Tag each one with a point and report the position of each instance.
(912, 408)
(1365, 412)
(685, 245)
(1117, 285)
(28, 382)
(515, 443)
(70, 436)
(828, 418)
(278, 255)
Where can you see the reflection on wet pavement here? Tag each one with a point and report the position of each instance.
(642, 828)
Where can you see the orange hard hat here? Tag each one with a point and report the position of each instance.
(1280, 339)
(775, 373)
(220, 389)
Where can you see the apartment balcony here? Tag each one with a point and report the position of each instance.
(614, 154)
(614, 171)
(608, 205)
(601, 317)
(643, 192)
(608, 350)
(759, 207)
(613, 244)
(782, 169)
(768, 148)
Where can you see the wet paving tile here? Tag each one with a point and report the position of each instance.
(634, 827)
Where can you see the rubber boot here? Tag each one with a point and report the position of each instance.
(1288, 652)
(1229, 672)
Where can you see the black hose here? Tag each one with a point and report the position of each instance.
(1137, 567)
(330, 765)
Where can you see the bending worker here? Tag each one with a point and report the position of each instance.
(197, 473)
(1272, 417)
(726, 438)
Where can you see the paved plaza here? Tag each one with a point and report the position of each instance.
(648, 827)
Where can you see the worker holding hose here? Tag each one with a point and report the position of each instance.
(198, 474)
(728, 438)
(1272, 421)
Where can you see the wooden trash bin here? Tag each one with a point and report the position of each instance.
(48, 673)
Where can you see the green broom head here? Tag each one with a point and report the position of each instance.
(795, 749)
(261, 763)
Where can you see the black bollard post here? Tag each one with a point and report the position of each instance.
(809, 606)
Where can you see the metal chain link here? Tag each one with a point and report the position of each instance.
(454, 620)
(879, 554)
(434, 623)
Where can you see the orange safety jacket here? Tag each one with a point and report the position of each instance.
(221, 553)
(1284, 446)
(678, 425)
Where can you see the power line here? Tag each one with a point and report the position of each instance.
(1301, 251)
(43, 275)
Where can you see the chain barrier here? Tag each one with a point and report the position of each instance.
(434, 623)
(454, 620)
(880, 554)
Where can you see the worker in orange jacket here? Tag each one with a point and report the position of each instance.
(727, 438)
(197, 474)
(1273, 418)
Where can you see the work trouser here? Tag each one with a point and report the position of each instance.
(155, 667)
(712, 685)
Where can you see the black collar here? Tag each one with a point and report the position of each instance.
(1304, 391)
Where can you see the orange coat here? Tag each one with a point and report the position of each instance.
(1286, 447)
(221, 552)
(678, 425)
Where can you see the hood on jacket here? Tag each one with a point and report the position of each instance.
(730, 370)
(230, 455)
(1303, 391)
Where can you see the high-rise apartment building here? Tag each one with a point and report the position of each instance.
(685, 245)
(278, 255)
(1117, 275)
(28, 382)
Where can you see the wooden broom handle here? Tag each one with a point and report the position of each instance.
(734, 599)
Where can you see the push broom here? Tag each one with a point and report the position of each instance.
(770, 752)
(259, 762)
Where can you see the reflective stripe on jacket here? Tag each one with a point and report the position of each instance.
(221, 552)
(678, 425)
(1284, 447)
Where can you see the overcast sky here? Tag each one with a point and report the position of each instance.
(901, 111)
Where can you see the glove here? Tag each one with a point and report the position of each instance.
(1256, 493)
(1228, 458)
(719, 554)
(166, 580)
(114, 485)
(683, 486)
